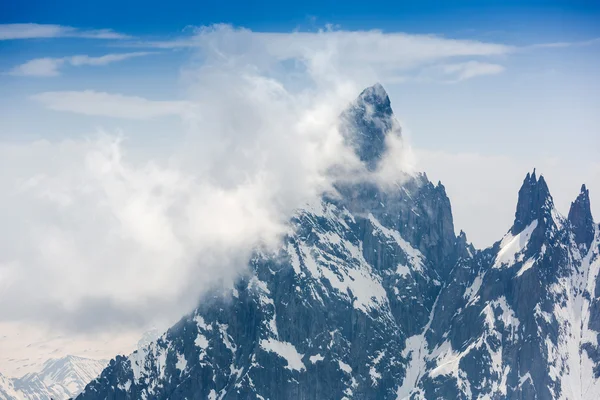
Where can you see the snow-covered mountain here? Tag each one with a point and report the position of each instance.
(7, 389)
(373, 296)
(59, 379)
(520, 320)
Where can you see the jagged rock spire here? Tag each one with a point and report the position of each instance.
(366, 123)
(534, 202)
(580, 218)
(377, 97)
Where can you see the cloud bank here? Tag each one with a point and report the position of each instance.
(101, 234)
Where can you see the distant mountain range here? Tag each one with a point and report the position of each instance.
(61, 378)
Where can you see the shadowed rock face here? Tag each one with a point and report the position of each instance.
(534, 202)
(373, 296)
(580, 217)
(367, 122)
(514, 314)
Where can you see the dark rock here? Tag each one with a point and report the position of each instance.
(580, 218)
(367, 122)
(534, 202)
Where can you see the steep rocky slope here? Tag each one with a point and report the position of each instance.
(373, 296)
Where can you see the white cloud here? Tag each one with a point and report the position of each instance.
(105, 59)
(581, 43)
(112, 105)
(336, 51)
(120, 241)
(45, 67)
(36, 31)
(102, 234)
(461, 71)
(333, 58)
(442, 72)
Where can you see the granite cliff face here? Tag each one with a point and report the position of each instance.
(373, 296)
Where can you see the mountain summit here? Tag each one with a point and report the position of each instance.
(373, 296)
(534, 202)
(367, 122)
(580, 217)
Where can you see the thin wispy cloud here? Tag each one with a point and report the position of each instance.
(387, 57)
(112, 105)
(47, 67)
(581, 43)
(461, 71)
(363, 56)
(278, 40)
(389, 50)
(39, 31)
(394, 40)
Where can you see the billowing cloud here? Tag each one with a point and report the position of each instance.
(45, 67)
(102, 234)
(37, 31)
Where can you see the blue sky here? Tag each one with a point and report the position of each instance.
(561, 18)
(136, 135)
(508, 22)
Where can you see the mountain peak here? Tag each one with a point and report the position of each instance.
(366, 123)
(580, 218)
(60, 378)
(377, 97)
(534, 202)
